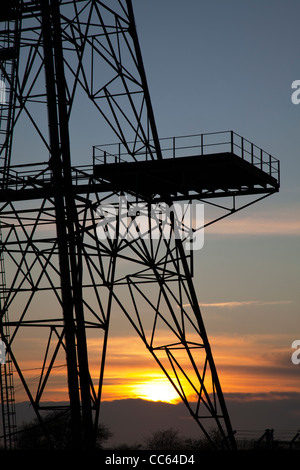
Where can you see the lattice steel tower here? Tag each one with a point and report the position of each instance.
(75, 251)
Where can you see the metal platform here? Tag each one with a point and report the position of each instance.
(219, 165)
(240, 168)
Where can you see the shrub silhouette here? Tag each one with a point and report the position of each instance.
(58, 433)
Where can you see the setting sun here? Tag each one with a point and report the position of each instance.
(156, 390)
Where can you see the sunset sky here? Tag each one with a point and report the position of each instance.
(212, 66)
(230, 65)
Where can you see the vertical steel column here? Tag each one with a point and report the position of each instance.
(75, 248)
(62, 236)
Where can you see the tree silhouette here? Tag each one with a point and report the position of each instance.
(167, 439)
(170, 439)
(56, 434)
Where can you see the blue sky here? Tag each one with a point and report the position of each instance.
(215, 65)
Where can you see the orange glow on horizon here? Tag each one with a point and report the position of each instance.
(159, 389)
(241, 366)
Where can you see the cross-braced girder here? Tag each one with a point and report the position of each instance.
(155, 294)
(98, 40)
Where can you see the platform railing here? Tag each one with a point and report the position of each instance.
(190, 145)
(36, 174)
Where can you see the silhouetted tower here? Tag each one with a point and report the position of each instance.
(69, 229)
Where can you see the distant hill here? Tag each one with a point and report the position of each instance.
(132, 420)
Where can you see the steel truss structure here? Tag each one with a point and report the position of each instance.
(80, 244)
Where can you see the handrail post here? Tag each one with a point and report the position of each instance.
(252, 153)
(201, 144)
(261, 159)
(231, 136)
(174, 143)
